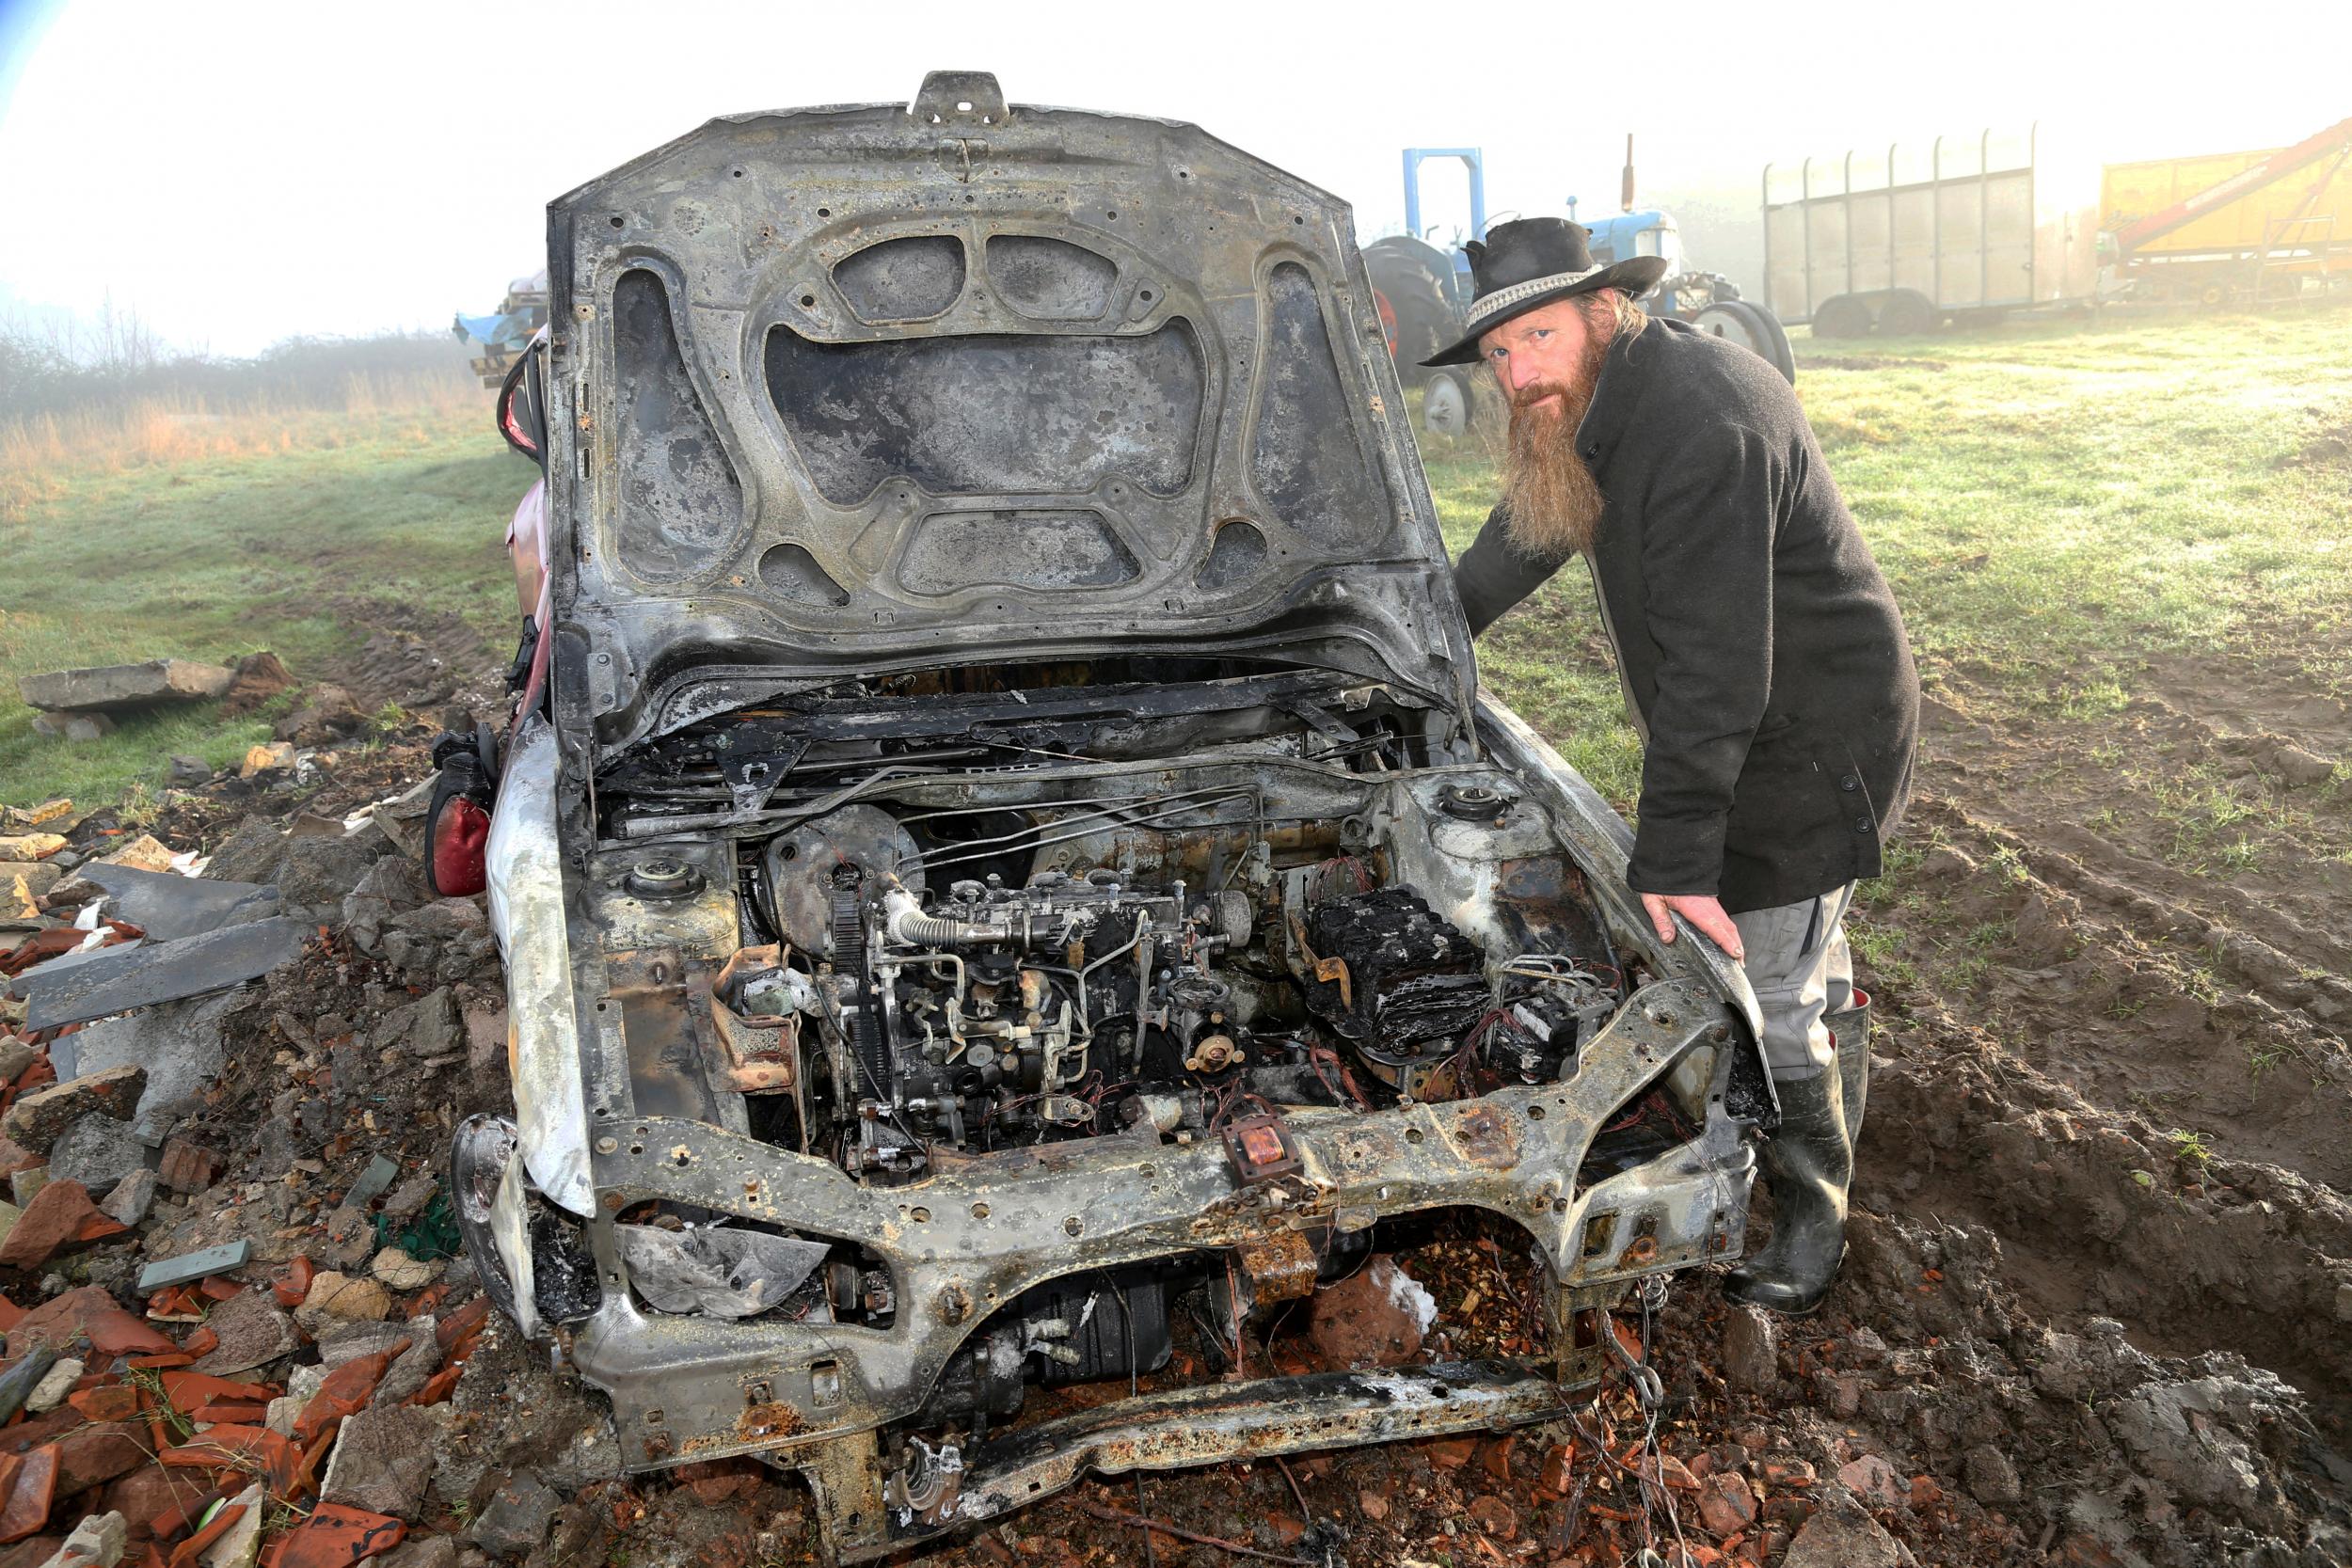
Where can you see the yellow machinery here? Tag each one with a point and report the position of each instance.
(2251, 226)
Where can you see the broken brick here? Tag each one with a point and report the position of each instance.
(335, 1536)
(1370, 1319)
(1495, 1516)
(112, 1401)
(345, 1392)
(94, 1453)
(61, 1215)
(188, 1390)
(138, 1496)
(1451, 1453)
(439, 1387)
(187, 1167)
(466, 1319)
(714, 1480)
(34, 1431)
(1726, 1504)
(219, 1524)
(87, 1312)
(231, 1413)
(174, 1304)
(1559, 1460)
(295, 1283)
(188, 1508)
(31, 1481)
(236, 1448)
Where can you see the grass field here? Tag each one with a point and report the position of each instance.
(2055, 506)
(204, 536)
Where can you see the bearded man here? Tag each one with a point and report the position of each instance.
(1762, 653)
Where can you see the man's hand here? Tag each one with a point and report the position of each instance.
(1703, 911)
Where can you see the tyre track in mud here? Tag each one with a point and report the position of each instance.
(2099, 1213)
(2133, 1071)
(2216, 997)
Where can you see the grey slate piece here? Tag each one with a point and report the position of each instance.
(379, 1174)
(49, 969)
(195, 1265)
(167, 906)
(114, 981)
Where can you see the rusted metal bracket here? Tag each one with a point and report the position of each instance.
(1180, 1429)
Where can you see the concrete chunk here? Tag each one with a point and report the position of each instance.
(99, 1152)
(178, 1044)
(40, 1119)
(382, 1462)
(115, 687)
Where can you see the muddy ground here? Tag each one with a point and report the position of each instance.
(2098, 1304)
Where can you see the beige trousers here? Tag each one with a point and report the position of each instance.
(1802, 969)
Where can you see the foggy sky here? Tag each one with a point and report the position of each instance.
(238, 173)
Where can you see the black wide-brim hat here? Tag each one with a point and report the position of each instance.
(1528, 264)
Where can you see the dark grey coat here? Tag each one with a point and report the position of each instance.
(1760, 646)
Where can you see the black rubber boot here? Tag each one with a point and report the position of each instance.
(1850, 1034)
(1808, 1164)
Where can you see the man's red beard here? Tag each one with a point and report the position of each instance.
(1554, 503)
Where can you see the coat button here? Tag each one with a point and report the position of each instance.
(1850, 781)
(1862, 824)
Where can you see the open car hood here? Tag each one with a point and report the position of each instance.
(856, 388)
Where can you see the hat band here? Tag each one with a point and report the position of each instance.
(1488, 307)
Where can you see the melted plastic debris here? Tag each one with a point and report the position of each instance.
(725, 1274)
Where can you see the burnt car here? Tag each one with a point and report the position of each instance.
(1004, 860)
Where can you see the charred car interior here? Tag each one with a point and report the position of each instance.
(1011, 865)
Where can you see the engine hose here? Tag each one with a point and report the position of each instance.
(909, 925)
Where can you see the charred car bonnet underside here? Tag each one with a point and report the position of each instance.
(1013, 865)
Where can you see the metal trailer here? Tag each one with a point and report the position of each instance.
(1901, 256)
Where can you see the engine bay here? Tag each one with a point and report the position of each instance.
(913, 933)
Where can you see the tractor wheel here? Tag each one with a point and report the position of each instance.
(1841, 316)
(1737, 321)
(1907, 313)
(1783, 357)
(1425, 322)
(1445, 404)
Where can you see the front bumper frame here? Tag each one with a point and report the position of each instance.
(979, 1232)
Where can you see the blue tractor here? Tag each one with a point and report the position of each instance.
(1423, 289)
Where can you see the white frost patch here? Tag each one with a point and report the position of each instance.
(1408, 1296)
